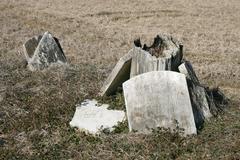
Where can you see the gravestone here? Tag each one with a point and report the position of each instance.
(92, 117)
(119, 74)
(197, 93)
(164, 54)
(158, 99)
(42, 51)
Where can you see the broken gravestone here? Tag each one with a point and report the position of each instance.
(166, 54)
(93, 118)
(42, 51)
(197, 93)
(164, 102)
(119, 74)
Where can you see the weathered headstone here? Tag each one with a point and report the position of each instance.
(42, 51)
(93, 118)
(119, 74)
(164, 54)
(197, 93)
(142, 62)
(158, 99)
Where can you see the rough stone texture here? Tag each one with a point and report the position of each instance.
(158, 99)
(187, 69)
(141, 60)
(48, 51)
(164, 54)
(197, 93)
(199, 102)
(30, 46)
(93, 118)
(119, 74)
(217, 100)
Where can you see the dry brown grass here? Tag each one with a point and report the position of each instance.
(37, 107)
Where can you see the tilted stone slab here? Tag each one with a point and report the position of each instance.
(197, 93)
(119, 74)
(139, 61)
(48, 51)
(187, 69)
(200, 105)
(158, 99)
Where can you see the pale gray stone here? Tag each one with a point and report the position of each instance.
(187, 69)
(47, 52)
(170, 58)
(142, 62)
(119, 74)
(158, 99)
(139, 61)
(92, 117)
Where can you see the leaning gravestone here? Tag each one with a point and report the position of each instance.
(158, 99)
(119, 74)
(197, 93)
(42, 51)
(164, 54)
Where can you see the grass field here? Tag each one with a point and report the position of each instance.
(36, 107)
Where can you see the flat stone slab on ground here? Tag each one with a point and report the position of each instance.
(92, 118)
(158, 99)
